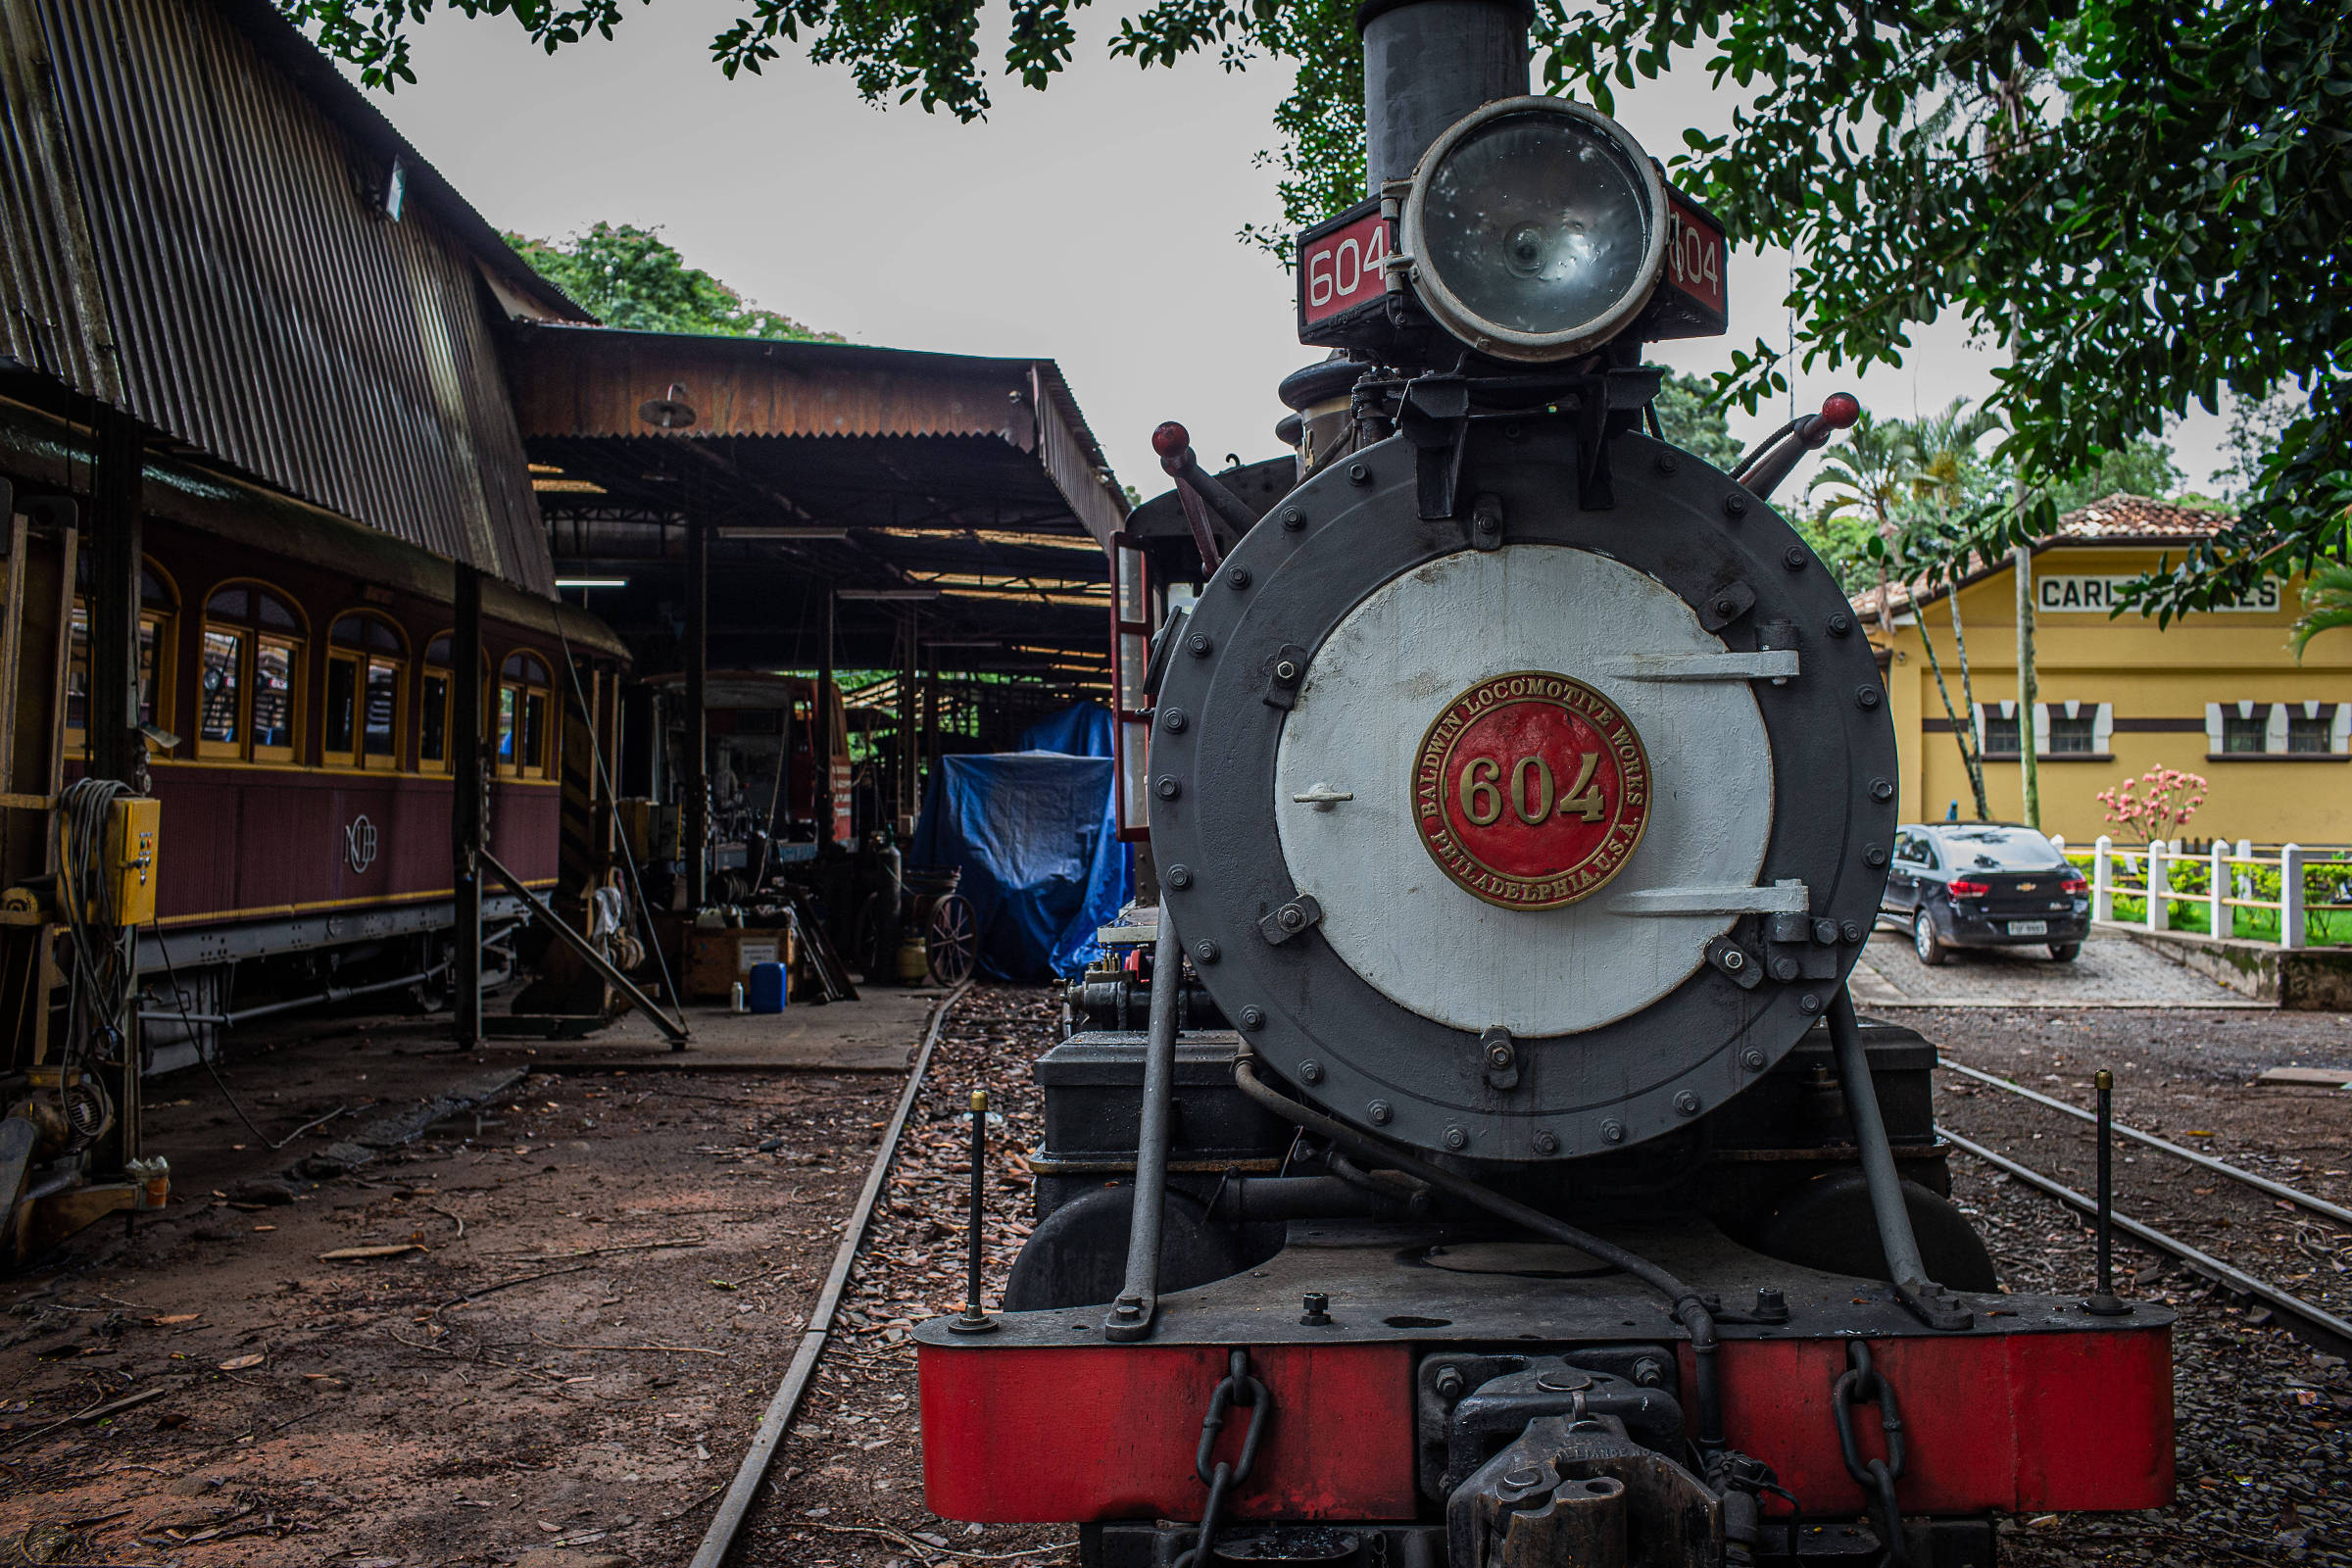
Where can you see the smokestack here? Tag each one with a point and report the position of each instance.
(1428, 62)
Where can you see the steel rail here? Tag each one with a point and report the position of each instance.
(2317, 1206)
(2332, 1328)
(760, 1458)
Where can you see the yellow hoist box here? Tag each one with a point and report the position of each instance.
(133, 826)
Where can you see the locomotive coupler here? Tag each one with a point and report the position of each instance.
(1576, 1491)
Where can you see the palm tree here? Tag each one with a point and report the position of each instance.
(2327, 606)
(1887, 472)
(1868, 477)
(1944, 457)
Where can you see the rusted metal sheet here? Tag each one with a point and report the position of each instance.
(574, 384)
(197, 238)
(1072, 460)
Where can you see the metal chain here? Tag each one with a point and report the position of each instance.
(1864, 1383)
(1236, 1388)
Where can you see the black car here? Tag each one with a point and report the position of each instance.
(1985, 885)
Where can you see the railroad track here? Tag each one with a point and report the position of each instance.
(2309, 1321)
(785, 1403)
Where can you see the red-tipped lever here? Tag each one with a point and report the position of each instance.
(1770, 462)
(1199, 494)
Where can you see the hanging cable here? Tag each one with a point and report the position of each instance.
(99, 986)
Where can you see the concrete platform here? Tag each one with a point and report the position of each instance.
(876, 1033)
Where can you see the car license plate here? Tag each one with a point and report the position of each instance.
(2029, 928)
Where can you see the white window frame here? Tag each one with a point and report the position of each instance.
(2102, 728)
(2274, 725)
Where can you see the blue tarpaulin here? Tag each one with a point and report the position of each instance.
(1036, 836)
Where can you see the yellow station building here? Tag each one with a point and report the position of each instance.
(2215, 693)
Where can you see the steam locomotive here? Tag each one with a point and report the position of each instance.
(1476, 1159)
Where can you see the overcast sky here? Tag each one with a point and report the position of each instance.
(1093, 223)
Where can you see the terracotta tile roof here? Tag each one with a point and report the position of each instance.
(2118, 519)
(2128, 517)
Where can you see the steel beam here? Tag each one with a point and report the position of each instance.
(466, 676)
(694, 835)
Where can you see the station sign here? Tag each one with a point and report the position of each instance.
(2061, 593)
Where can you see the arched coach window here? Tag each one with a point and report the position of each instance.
(433, 708)
(158, 603)
(249, 674)
(526, 716)
(367, 665)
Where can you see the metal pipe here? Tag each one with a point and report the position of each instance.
(1886, 1203)
(2261, 1184)
(974, 1320)
(2103, 1301)
(1687, 1308)
(331, 994)
(1247, 1199)
(1139, 1297)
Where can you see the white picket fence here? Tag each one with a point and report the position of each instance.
(2147, 875)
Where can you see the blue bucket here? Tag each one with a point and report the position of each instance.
(766, 992)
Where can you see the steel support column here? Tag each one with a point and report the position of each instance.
(908, 800)
(820, 750)
(466, 676)
(694, 817)
(113, 716)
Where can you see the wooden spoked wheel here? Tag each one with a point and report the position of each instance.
(951, 940)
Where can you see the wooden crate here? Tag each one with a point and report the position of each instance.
(716, 960)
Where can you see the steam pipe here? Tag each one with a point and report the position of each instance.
(1139, 1296)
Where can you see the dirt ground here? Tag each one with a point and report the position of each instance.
(615, 1266)
(609, 1278)
(2265, 1468)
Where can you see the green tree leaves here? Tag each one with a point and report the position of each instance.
(632, 278)
(2147, 203)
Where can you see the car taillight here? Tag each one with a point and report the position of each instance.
(2073, 884)
(1970, 890)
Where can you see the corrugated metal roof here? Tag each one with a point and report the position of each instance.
(194, 236)
(589, 382)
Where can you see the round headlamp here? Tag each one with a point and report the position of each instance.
(1536, 227)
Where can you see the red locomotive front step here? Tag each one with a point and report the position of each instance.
(1051, 1435)
(2021, 1422)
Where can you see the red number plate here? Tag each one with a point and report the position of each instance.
(1340, 270)
(1695, 257)
(1532, 790)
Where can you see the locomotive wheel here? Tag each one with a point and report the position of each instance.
(1926, 943)
(1078, 1254)
(951, 940)
(874, 938)
(1827, 1225)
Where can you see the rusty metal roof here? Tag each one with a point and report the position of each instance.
(973, 483)
(574, 383)
(192, 227)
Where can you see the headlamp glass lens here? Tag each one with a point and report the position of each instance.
(1537, 224)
